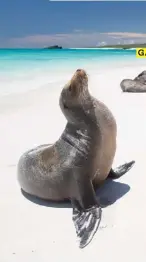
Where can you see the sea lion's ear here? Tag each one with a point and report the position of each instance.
(70, 88)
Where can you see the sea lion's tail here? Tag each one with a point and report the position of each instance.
(121, 170)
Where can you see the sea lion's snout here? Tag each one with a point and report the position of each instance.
(74, 91)
(81, 73)
(79, 78)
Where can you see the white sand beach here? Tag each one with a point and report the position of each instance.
(35, 232)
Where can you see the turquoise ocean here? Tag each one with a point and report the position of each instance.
(25, 69)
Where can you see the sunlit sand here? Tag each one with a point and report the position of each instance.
(37, 231)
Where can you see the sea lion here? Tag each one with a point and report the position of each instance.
(137, 85)
(78, 161)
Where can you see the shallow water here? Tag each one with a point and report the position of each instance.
(25, 69)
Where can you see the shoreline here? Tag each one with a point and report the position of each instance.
(68, 48)
(20, 82)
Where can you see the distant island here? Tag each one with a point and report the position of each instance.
(53, 47)
(123, 46)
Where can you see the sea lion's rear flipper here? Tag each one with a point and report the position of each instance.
(121, 170)
(86, 214)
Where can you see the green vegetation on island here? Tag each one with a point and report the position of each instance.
(124, 46)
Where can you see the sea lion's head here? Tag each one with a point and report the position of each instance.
(127, 84)
(74, 96)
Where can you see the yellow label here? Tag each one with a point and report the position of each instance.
(141, 52)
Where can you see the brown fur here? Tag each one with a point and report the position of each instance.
(85, 149)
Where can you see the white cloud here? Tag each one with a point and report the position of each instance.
(125, 35)
(75, 39)
(78, 38)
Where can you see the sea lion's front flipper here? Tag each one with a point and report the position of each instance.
(86, 214)
(121, 170)
(86, 222)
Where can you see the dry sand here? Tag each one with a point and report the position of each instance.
(40, 233)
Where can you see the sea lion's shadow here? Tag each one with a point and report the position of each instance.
(111, 191)
(107, 194)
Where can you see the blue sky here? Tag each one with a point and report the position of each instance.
(38, 23)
